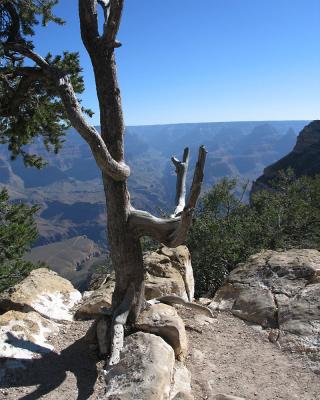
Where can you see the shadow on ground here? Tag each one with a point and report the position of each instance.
(50, 371)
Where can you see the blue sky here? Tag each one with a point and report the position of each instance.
(207, 60)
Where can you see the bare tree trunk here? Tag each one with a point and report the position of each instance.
(125, 224)
(125, 248)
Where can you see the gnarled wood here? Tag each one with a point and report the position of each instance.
(181, 171)
(125, 224)
(172, 231)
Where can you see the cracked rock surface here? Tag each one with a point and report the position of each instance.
(280, 291)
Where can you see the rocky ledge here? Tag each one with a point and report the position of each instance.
(44, 305)
(279, 291)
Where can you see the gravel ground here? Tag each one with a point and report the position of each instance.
(230, 357)
(226, 356)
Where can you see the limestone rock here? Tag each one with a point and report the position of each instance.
(278, 290)
(225, 397)
(144, 372)
(181, 384)
(256, 305)
(164, 321)
(183, 396)
(162, 278)
(181, 260)
(91, 305)
(23, 337)
(168, 272)
(43, 291)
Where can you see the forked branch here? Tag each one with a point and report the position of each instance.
(172, 231)
(112, 11)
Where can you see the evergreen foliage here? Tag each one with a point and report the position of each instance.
(30, 107)
(227, 230)
(17, 233)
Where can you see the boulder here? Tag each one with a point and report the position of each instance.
(256, 305)
(181, 383)
(168, 272)
(278, 290)
(43, 291)
(144, 372)
(225, 397)
(23, 337)
(164, 321)
(181, 260)
(162, 277)
(93, 301)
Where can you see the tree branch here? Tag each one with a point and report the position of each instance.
(105, 5)
(113, 22)
(172, 231)
(112, 11)
(181, 171)
(89, 23)
(29, 75)
(117, 170)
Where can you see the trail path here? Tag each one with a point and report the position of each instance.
(226, 356)
(232, 358)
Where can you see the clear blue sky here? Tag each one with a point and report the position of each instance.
(207, 60)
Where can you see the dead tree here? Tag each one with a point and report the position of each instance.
(126, 225)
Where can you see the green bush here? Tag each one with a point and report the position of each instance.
(17, 233)
(227, 230)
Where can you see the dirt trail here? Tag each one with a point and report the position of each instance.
(226, 356)
(232, 358)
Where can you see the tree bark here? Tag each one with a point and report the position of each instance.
(125, 224)
(125, 247)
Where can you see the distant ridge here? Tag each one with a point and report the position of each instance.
(304, 159)
(70, 193)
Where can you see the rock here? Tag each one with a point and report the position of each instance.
(162, 278)
(301, 314)
(181, 260)
(144, 372)
(168, 272)
(303, 159)
(90, 307)
(226, 397)
(43, 291)
(183, 396)
(204, 301)
(279, 290)
(164, 321)
(181, 383)
(256, 305)
(23, 337)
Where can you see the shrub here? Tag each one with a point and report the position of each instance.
(228, 230)
(17, 233)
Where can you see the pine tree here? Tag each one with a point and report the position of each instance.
(17, 233)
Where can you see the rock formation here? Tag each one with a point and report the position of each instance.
(43, 291)
(150, 364)
(304, 159)
(275, 292)
(168, 272)
(279, 291)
